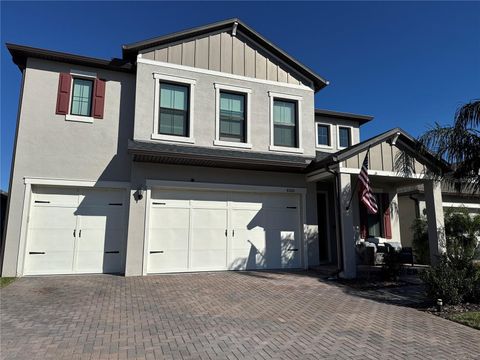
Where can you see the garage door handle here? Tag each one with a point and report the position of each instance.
(74, 232)
(292, 249)
(80, 233)
(37, 252)
(112, 252)
(233, 233)
(156, 252)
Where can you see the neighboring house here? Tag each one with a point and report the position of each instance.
(201, 150)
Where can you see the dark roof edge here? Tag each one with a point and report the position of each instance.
(362, 119)
(130, 50)
(20, 54)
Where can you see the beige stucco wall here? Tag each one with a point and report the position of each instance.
(50, 147)
(204, 107)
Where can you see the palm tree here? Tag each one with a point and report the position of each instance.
(459, 145)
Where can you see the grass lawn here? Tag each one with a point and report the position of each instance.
(4, 281)
(470, 318)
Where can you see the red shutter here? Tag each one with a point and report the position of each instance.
(387, 223)
(63, 95)
(363, 218)
(98, 98)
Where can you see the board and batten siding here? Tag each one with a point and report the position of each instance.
(226, 53)
(381, 157)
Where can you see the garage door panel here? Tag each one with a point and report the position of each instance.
(74, 238)
(262, 232)
(168, 239)
(170, 261)
(165, 218)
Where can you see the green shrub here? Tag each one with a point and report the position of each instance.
(454, 279)
(391, 264)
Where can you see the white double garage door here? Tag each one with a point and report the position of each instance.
(75, 230)
(190, 230)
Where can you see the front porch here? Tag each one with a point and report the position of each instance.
(354, 228)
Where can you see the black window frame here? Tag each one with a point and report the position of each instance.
(92, 81)
(229, 137)
(187, 118)
(349, 131)
(329, 135)
(297, 135)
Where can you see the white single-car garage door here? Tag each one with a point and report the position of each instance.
(75, 231)
(215, 230)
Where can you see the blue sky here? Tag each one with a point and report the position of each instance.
(409, 64)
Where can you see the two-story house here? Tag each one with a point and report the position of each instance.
(197, 151)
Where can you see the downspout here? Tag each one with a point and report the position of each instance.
(338, 223)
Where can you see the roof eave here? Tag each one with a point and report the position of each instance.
(20, 54)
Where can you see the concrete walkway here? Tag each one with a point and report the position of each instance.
(225, 315)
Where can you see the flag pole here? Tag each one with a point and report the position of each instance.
(356, 184)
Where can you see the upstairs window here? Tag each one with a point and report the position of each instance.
(232, 117)
(323, 135)
(82, 93)
(344, 137)
(285, 123)
(80, 96)
(173, 119)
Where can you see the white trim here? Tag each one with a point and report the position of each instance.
(346, 170)
(146, 231)
(232, 144)
(218, 73)
(338, 136)
(156, 106)
(81, 73)
(272, 96)
(78, 118)
(179, 79)
(330, 133)
(233, 88)
(457, 204)
(247, 93)
(76, 183)
(285, 96)
(173, 138)
(286, 149)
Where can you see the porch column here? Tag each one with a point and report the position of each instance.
(347, 230)
(434, 206)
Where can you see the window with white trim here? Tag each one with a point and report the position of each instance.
(173, 112)
(324, 135)
(232, 117)
(82, 96)
(344, 136)
(173, 108)
(285, 122)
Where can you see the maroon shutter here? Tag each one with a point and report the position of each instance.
(63, 96)
(387, 224)
(98, 98)
(363, 217)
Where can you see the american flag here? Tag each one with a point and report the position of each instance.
(367, 197)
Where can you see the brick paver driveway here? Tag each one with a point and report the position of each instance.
(225, 315)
